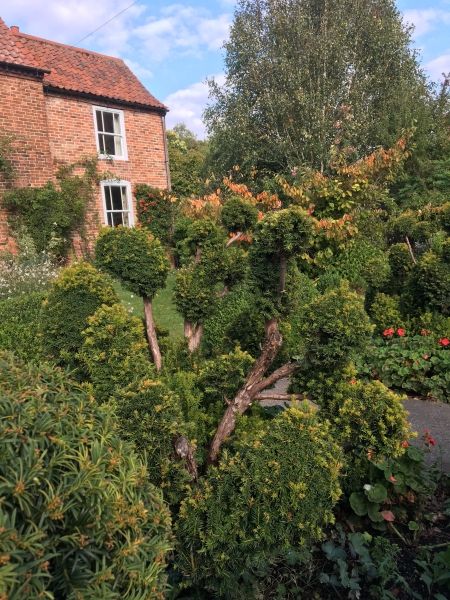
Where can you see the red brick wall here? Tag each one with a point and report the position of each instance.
(60, 128)
(23, 112)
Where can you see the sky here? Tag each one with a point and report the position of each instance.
(174, 47)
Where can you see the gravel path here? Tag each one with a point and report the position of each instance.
(433, 416)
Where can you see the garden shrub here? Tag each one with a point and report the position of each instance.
(429, 283)
(417, 364)
(74, 296)
(134, 257)
(401, 265)
(19, 326)
(150, 415)
(156, 210)
(334, 330)
(385, 312)
(114, 350)
(276, 492)
(79, 518)
(238, 215)
(20, 276)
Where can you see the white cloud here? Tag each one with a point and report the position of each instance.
(187, 106)
(138, 70)
(425, 20)
(438, 66)
(182, 29)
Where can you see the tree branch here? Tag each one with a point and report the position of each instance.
(283, 371)
(285, 397)
(185, 451)
(198, 255)
(411, 250)
(223, 292)
(236, 238)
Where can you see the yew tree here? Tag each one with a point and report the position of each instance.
(139, 262)
(301, 73)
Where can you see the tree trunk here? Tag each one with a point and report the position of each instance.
(254, 383)
(193, 334)
(151, 333)
(185, 451)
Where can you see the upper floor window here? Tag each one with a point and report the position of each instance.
(110, 132)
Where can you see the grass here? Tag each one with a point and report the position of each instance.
(163, 308)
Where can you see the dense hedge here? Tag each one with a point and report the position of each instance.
(19, 325)
(79, 518)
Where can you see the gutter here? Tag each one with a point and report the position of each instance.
(35, 70)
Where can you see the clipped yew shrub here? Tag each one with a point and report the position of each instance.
(74, 296)
(114, 350)
(276, 492)
(79, 517)
(238, 215)
(150, 416)
(19, 325)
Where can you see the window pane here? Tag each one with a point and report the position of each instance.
(108, 197)
(124, 198)
(116, 197)
(117, 219)
(98, 114)
(109, 216)
(108, 122)
(116, 123)
(109, 145)
(101, 143)
(118, 146)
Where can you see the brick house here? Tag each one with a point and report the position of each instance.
(65, 103)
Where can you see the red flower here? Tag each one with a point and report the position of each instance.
(393, 479)
(425, 356)
(374, 373)
(389, 331)
(444, 341)
(352, 380)
(405, 444)
(431, 441)
(401, 332)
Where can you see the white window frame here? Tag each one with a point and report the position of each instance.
(122, 134)
(118, 183)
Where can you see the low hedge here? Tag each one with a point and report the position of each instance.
(19, 325)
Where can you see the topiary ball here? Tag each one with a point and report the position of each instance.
(275, 492)
(134, 257)
(75, 295)
(79, 517)
(239, 215)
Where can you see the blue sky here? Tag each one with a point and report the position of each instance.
(174, 47)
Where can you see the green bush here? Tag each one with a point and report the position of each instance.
(429, 283)
(194, 294)
(19, 326)
(385, 313)
(401, 265)
(276, 492)
(418, 364)
(114, 350)
(74, 296)
(155, 210)
(239, 215)
(134, 257)
(79, 518)
(150, 415)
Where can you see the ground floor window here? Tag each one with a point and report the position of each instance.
(117, 203)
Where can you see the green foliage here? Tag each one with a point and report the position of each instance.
(134, 257)
(53, 213)
(114, 350)
(194, 296)
(155, 209)
(79, 518)
(276, 491)
(401, 265)
(291, 117)
(150, 416)
(19, 326)
(385, 313)
(7, 148)
(74, 296)
(186, 160)
(436, 571)
(429, 284)
(367, 416)
(238, 215)
(416, 364)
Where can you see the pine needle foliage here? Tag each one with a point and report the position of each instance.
(79, 519)
(277, 491)
(74, 296)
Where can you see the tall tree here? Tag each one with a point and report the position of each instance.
(301, 73)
